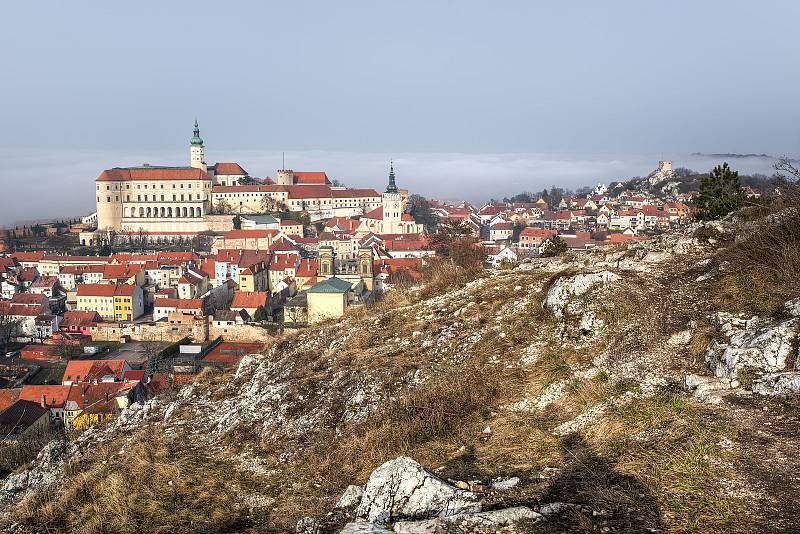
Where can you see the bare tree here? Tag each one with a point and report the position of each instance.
(9, 329)
(785, 166)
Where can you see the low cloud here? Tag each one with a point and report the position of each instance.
(50, 184)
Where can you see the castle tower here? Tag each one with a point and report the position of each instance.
(365, 267)
(197, 150)
(326, 262)
(284, 177)
(392, 202)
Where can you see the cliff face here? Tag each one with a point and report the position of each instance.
(611, 390)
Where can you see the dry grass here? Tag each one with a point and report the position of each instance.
(428, 422)
(442, 276)
(667, 444)
(763, 267)
(150, 486)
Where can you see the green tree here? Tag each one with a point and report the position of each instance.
(261, 314)
(554, 246)
(720, 193)
(420, 208)
(237, 222)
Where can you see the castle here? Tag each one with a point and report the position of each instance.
(175, 202)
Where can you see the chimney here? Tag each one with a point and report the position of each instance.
(43, 401)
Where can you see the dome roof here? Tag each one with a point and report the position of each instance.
(196, 139)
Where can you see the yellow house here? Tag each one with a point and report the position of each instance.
(113, 302)
(327, 299)
(97, 297)
(94, 404)
(128, 302)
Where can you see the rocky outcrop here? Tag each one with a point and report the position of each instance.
(403, 489)
(478, 523)
(565, 288)
(351, 497)
(45, 471)
(777, 384)
(760, 343)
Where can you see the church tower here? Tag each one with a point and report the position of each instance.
(197, 151)
(365, 267)
(392, 207)
(326, 269)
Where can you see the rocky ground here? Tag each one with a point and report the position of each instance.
(606, 391)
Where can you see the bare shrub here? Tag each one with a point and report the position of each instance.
(763, 267)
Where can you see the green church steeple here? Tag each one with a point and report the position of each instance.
(197, 140)
(392, 187)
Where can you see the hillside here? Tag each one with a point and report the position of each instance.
(607, 391)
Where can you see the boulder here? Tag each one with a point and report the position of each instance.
(403, 489)
(351, 497)
(760, 343)
(363, 527)
(505, 484)
(777, 384)
(488, 522)
(560, 293)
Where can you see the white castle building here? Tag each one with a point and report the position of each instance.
(171, 202)
(162, 200)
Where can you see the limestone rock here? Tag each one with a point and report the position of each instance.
(403, 489)
(707, 389)
(777, 384)
(363, 527)
(505, 484)
(574, 286)
(760, 342)
(351, 497)
(480, 522)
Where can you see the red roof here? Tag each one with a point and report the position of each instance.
(310, 178)
(190, 304)
(45, 281)
(377, 214)
(88, 370)
(28, 274)
(536, 232)
(354, 193)
(229, 169)
(230, 353)
(28, 298)
(27, 256)
(8, 397)
(106, 290)
(248, 299)
(80, 269)
(309, 191)
(165, 302)
(53, 396)
(250, 234)
(20, 310)
(307, 267)
(281, 262)
(121, 270)
(77, 319)
(250, 188)
(152, 173)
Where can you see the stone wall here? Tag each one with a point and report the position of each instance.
(198, 331)
(241, 333)
(219, 223)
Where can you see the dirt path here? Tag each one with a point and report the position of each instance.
(766, 438)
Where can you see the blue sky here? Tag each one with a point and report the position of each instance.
(120, 83)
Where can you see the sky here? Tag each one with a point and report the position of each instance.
(472, 99)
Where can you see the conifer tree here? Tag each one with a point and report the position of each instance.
(720, 193)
